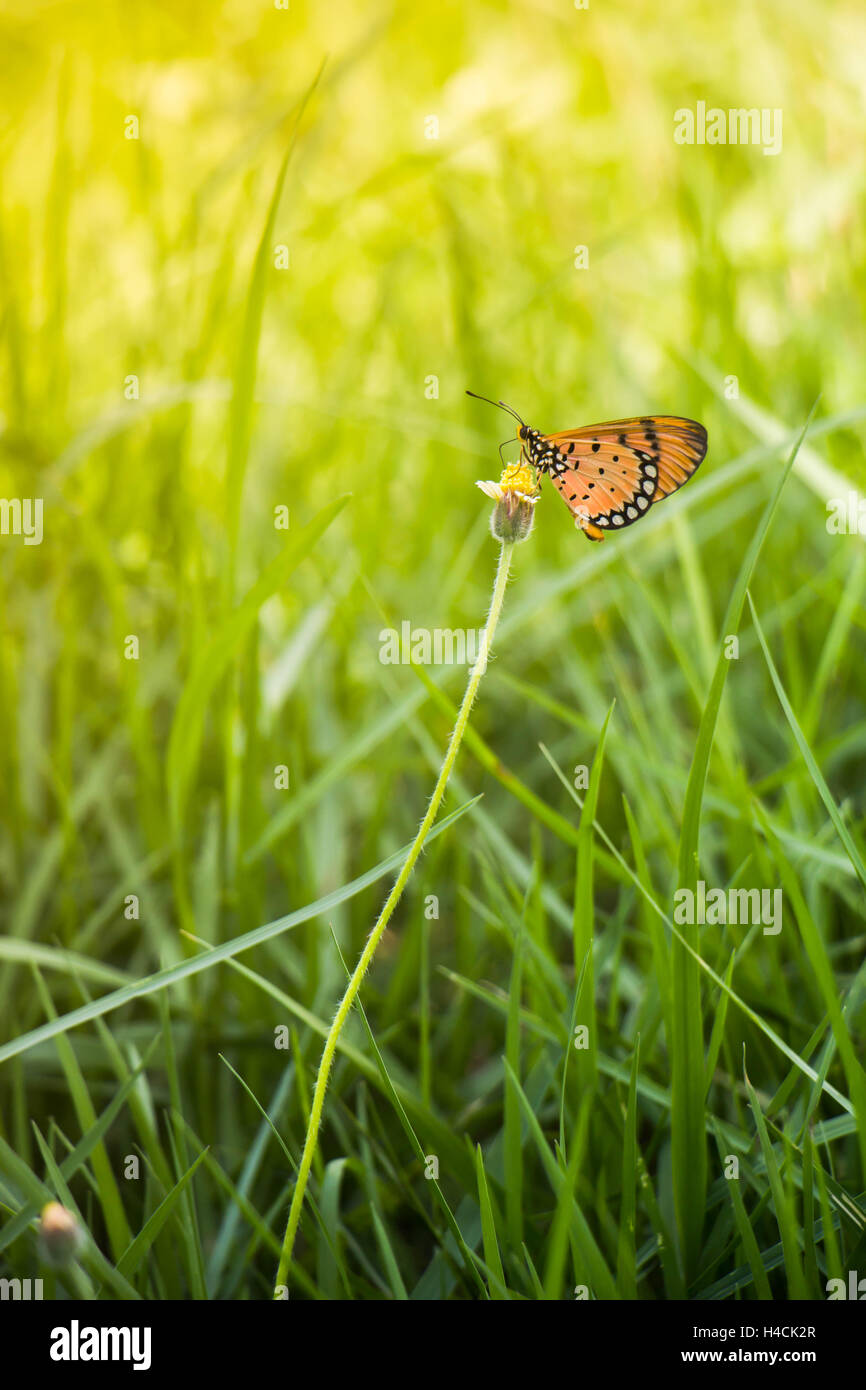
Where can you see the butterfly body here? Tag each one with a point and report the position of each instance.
(609, 475)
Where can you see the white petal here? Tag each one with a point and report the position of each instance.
(491, 490)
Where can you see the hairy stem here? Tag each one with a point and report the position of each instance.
(375, 936)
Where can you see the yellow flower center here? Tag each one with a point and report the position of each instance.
(518, 477)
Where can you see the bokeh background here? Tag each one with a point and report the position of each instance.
(274, 296)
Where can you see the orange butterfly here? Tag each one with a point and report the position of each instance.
(610, 475)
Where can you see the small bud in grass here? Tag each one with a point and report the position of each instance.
(60, 1236)
(515, 496)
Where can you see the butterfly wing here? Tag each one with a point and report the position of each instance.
(609, 475)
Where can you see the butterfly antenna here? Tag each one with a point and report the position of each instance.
(500, 404)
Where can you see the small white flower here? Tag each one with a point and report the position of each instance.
(496, 492)
(515, 496)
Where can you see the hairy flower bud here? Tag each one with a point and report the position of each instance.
(515, 496)
(60, 1235)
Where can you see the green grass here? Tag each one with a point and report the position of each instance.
(187, 1037)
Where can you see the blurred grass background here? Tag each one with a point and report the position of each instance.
(411, 258)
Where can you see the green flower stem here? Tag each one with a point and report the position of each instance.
(385, 915)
